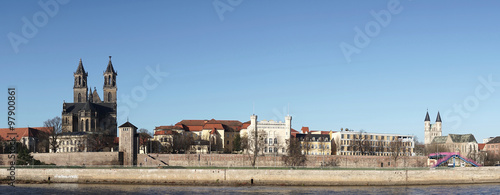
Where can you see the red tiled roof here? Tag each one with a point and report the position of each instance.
(305, 130)
(325, 132)
(7, 134)
(164, 127)
(480, 146)
(166, 132)
(217, 126)
(245, 125)
(198, 125)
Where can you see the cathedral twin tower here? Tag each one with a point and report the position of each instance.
(432, 130)
(80, 88)
(88, 113)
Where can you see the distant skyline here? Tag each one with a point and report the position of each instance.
(376, 66)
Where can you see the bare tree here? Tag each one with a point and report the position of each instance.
(361, 143)
(182, 142)
(98, 142)
(55, 129)
(255, 145)
(491, 159)
(307, 143)
(435, 148)
(396, 148)
(294, 156)
(144, 137)
(419, 147)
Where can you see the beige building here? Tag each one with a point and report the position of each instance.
(315, 144)
(209, 136)
(374, 144)
(465, 144)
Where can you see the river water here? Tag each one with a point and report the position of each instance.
(162, 189)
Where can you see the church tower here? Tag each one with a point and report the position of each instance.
(432, 130)
(80, 87)
(109, 88)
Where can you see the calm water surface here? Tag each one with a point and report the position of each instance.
(160, 189)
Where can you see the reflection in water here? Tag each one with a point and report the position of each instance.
(161, 189)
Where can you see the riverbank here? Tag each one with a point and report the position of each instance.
(467, 175)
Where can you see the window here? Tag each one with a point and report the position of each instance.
(275, 140)
(265, 149)
(270, 141)
(265, 141)
(342, 136)
(348, 136)
(87, 125)
(270, 149)
(276, 150)
(109, 97)
(227, 142)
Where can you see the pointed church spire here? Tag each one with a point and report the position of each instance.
(438, 118)
(110, 68)
(91, 97)
(80, 69)
(427, 118)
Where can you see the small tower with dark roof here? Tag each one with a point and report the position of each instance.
(128, 143)
(109, 88)
(80, 87)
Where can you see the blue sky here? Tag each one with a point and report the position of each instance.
(263, 57)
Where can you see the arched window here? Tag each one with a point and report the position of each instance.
(109, 96)
(81, 125)
(79, 97)
(105, 80)
(275, 140)
(109, 79)
(79, 80)
(87, 125)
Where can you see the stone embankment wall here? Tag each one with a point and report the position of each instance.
(219, 160)
(468, 175)
(74, 158)
(241, 160)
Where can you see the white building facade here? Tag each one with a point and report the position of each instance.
(272, 135)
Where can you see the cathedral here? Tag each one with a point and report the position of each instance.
(88, 112)
(432, 130)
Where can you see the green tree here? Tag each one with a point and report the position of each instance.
(24, 157)
(237, 143)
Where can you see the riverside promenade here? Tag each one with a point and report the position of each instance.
(235, 176)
